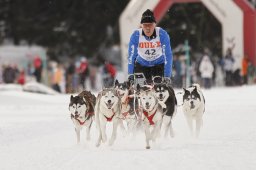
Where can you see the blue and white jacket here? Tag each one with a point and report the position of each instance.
(150, 52)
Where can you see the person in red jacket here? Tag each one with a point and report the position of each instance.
(21, 78)
(109, 74)
(38, 68)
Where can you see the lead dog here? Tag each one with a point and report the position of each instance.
(107, 109)
(166, 97)
(152, 114)
(193, 107)
(81, 108)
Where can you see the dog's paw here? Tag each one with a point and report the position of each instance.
(97, 144)
(110, 143)
(104, 139)
(88, 138)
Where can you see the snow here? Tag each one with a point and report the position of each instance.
(36, 133)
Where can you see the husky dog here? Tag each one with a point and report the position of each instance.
(193, 107)
(107, 109)
(167, 99)
(152, 114)
(81, 108)
(127, 104)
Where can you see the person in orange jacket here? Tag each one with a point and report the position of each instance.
(244, 72)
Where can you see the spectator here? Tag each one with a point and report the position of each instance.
(228, 67)
(244, 73)
(57, 78)
(38, 68)
(83, 71)
(109, 74)
(206, 70)
(9, 74)
(69, 76)
(22, 78)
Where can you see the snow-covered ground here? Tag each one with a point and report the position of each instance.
(36, 133)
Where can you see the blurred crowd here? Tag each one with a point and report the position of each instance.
(12, 73)
(78, 74)
(211, 71)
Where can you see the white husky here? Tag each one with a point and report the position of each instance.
(108, 108)
(194, 107)
(152, 115)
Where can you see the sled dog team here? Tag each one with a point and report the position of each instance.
(150, 107)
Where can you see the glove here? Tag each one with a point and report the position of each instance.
(131, 78)
(167, 80)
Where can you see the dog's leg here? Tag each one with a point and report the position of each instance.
(148, 137)
(88, 131)
(198, 126)
(103, 123)
(166, 124)
(171, 130)
(190, 123)
(121, 123)
(77, 135)
(97, 121)
(113, 136)
(156, 130)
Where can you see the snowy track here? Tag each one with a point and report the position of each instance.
(36, 133)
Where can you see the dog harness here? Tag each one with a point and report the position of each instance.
(109, 119)
(79, 121)
(150, 118)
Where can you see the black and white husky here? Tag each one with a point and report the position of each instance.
(81, 108)
(107, 109)
(166, 98)
(193, 107)
(152, 114)
(128, 105)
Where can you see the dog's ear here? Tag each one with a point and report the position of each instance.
(116, 83)
(185, 91)
(71, 97)
(138, 87)
(128, 84)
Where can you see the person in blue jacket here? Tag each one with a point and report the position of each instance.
(150, 50)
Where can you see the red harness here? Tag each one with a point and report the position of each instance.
(150, 118)
(109, 119)
(82, 123)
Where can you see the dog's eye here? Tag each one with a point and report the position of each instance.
(150, 97)
(79, 106)
(112, 96)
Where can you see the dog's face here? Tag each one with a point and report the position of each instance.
(122, 89)
(191, 98)
(148, 100)
(77, 106)
(162, 92)
(110, 98)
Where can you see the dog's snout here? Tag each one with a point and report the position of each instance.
(191, 102)
(161, 95)
(147, 103)
(109, 101)
(76, 112)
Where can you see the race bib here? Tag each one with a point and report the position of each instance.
(150, 50)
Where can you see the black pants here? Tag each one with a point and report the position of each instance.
(149, 72)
